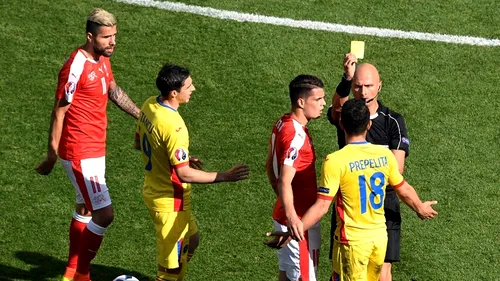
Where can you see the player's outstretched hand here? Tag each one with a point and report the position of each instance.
(46, 166)
(280, 239)
(296, 228)
(426, 212)
(350, 61)
(195, 163)
(237, 173)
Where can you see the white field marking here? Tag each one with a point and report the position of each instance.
(314, 25)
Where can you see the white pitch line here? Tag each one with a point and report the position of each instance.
(314, 25)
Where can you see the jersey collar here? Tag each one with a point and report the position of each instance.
(164, 105)
(358, 142)
(380, 108)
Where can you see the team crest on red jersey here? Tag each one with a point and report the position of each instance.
(292, 153)
(180, 154)
(92, 76)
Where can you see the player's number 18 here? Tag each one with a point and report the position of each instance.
(376, 184)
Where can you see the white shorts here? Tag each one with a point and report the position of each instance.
(87, 176)
(300, 259)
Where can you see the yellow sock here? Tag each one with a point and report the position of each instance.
(183, 268)
(181, 275)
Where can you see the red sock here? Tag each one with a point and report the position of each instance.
(91, 243)
(75, 233)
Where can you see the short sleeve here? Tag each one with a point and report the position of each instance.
(330, 178)
(70, 77)
(395, 177)
(177, 143)
(291, 142)
(399, 139)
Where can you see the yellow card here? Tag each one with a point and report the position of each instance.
(358, 49)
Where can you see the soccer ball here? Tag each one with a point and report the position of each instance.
(125, 278)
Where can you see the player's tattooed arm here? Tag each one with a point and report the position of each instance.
(119, 97)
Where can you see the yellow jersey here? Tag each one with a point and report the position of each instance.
(164, 142)
(356, 176)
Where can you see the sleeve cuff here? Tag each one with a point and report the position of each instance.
(399, 185)
(181, 164)
(325, 197)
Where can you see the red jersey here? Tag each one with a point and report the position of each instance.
(84, 82)
(292, 145)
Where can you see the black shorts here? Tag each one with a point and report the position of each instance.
(393, 223)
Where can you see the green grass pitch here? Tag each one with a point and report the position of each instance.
(448, 94)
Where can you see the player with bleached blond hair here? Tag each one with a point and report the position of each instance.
(78, 137)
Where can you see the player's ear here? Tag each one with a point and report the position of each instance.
(301, 102)
(90, 37)
(379, 86)
(341, 125)
(173, 94)
(369, 125)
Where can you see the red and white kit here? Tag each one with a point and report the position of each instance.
(292, 145)
(84, 82)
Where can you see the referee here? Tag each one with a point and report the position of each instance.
(388, 129)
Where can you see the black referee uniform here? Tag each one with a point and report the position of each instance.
(388, 129)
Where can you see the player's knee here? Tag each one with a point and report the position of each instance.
(103, 217)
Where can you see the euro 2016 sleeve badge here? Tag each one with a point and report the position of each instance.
(292, 153)
(180, 154)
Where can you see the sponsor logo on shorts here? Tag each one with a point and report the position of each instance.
(405, 140)
(324, 190)
(99, 199)
(292, 153)
(180, 154)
